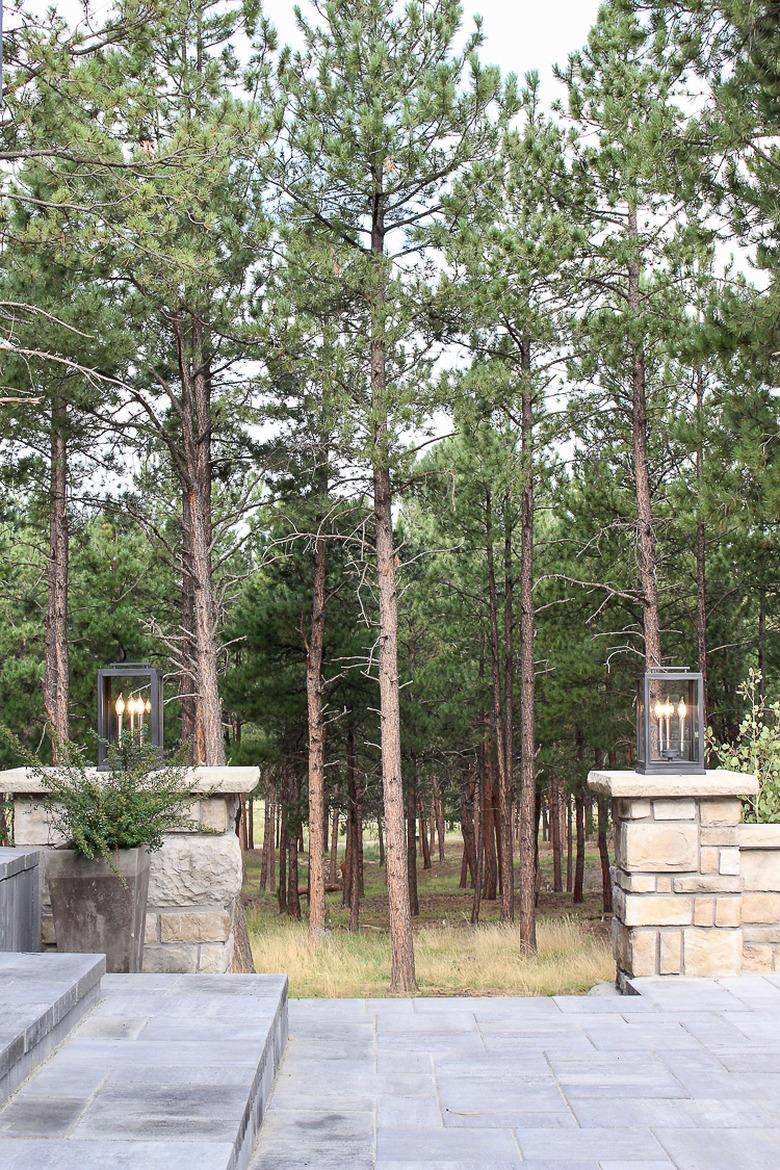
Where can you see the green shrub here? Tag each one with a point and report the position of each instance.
(134, 803)
(756, 750)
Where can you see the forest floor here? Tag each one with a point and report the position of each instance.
(452, 957)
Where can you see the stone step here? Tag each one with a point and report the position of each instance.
(42, 998)
(168, 1072)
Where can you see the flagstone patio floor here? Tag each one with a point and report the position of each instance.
(683, 1076)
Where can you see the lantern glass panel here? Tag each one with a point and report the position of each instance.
(669, 722)
(129, 707)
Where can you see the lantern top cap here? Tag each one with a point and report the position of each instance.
(671, 671)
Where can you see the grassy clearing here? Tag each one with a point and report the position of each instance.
(452, 958)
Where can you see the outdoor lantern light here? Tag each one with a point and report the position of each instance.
(130, 707)
(670, 722)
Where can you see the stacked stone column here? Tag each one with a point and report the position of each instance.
(194, 879)
(677, 875)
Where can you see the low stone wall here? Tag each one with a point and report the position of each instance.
(194, 879)
(695, 891)
(20, 903)
(759, 847)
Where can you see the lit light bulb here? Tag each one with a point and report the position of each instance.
(682, 710)
(119, 706)
(148, 706)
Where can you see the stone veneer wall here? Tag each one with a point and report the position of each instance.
(696, 892)
(759, 847)
(678, 887)
(194, 883)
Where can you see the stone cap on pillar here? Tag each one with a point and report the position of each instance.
(225, 780)
(717, 782)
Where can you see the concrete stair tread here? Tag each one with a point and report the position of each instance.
(175, 1068)
(39, 995)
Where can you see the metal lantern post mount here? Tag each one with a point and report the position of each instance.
(670, 722)
(130, 707)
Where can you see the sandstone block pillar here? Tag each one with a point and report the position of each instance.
(194, 879)
(677, 877)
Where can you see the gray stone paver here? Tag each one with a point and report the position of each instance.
(683, 1076)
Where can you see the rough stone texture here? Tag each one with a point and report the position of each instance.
(712, 953)
(198, 870)
(659, 848)
(670, 956)
(658, 911)
(194, 926)
(762, 908)
(170, 959)
(720, 812)
(696, 892)
(674, 810)
(761, 869)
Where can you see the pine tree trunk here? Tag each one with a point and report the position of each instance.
(555, 834)
(282, 887)
(56, 680)
(487, 820)
(701, 550)
(402, 974)
(440, 825)
(411, 840)
(314, 686)
(241, 832)
(606, 878)
(579, 868)
(467, 799)
(503, 821)
(333, 875)
(354, 893)
(195, 473)
(478, 843)
(527, 876)
(425, 847)
(646, 544)
(269, 841)
(569, 846)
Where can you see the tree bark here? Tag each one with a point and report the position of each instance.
(195, 474)
(527, 897)
(701, 548)
(56, 680)
(569, 846)
(411, 839)
(504, 826)
(440, 825)
(425, 846)
(381, 837)
(333, 875)
(606, 878)
(467, 803)
(282, 887)
(487, 820)
(646, 544)
(314, 694)
(478, 843)
(555, 834)
(579, 868)
(269, 841)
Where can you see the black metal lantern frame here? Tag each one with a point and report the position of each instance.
(670, 722)
(130, 707)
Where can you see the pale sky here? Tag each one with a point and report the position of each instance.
(520, 34)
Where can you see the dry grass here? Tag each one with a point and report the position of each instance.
(451, 960)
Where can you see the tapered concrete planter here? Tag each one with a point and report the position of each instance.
(97, 912)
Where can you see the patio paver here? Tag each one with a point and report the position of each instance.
(683, 1076)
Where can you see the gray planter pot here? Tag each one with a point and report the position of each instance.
(94, 912)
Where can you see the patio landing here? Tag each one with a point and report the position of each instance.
(683, 1076)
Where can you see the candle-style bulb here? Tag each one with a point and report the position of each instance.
(148, 706)
(682, 710)
(119, 705)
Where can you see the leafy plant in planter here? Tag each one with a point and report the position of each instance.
(756, 751)
(110, 821)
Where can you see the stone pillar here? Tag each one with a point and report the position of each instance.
(194, 879)
(677, 878)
